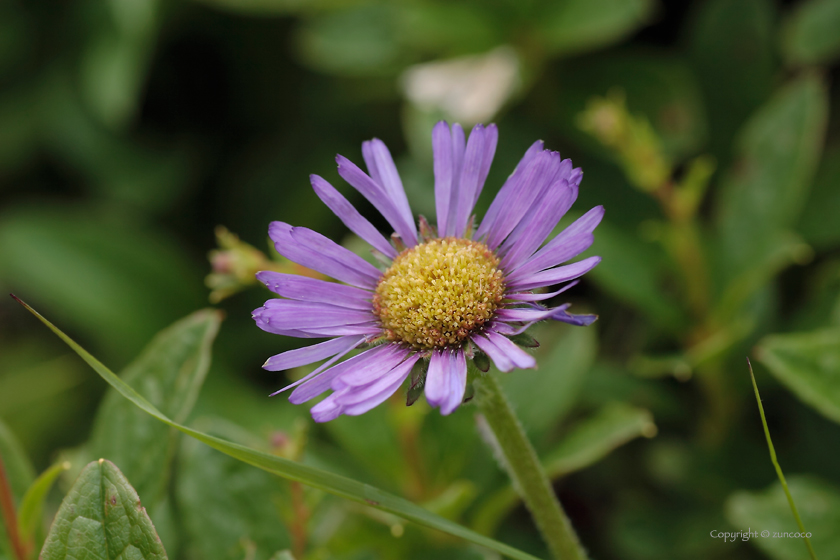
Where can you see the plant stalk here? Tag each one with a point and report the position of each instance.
(523, 465)
(7, 505)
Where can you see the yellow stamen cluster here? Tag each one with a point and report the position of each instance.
(437, 293)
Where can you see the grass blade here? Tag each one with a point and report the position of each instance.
(329, 482)
(775, 461)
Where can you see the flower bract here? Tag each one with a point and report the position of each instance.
(448, 293)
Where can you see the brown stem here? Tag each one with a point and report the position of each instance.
(301, 518)
(8, 506)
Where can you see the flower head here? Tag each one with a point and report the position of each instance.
(448, 294)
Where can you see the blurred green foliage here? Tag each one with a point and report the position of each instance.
(130, 130)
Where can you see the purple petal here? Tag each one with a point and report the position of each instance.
(575, 176)
(531, 316)
(538, 223)
(354, 221)
(458, 382)
(310, 289)
(295, 333)
(558, 247)
(327, 324)
(437, 378)
(528, 189)
(578, 320)
(377, 399)
(502, 361)
(498, 215)
(459, 145)
(555, 275)
(502, 328)
(317, 371)
(523, 315)
(446, 380)
(444, 172)
(459, 214)
(585, 224)
(330, 249)
(326, 410)
(313, 250)
(380, 199)
(341, 330)
(388, 360)
(557, 170)
(285, 314)
(378, 158)
(515, 354)
(558, 255)
(528, 296)
(358, 395)
(367, 360)
(313, 353)
(491, 139)
(370, 162)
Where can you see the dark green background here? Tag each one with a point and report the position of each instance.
(129, 130)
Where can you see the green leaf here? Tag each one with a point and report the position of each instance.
(809, 365)
(595, 437)
(543, 396)
(275, 7)
(102, 518)
(645, 528)
(764, 192)
(782, 248)
(334, 484)
(29, 514)
(217, 525)
(357, 42)
(169, 373)
(576, 26)
(818, 223)
(810, 33)
(718, 29)
(819, 506)
(116, 58)
(447, 28)
(587, 443)
(383, 38)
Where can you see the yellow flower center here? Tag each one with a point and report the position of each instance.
(436, 294)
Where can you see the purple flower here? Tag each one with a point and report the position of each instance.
(448, 294)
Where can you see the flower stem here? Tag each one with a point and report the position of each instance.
(525, 470)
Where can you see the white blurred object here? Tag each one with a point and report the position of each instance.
(469, 89)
